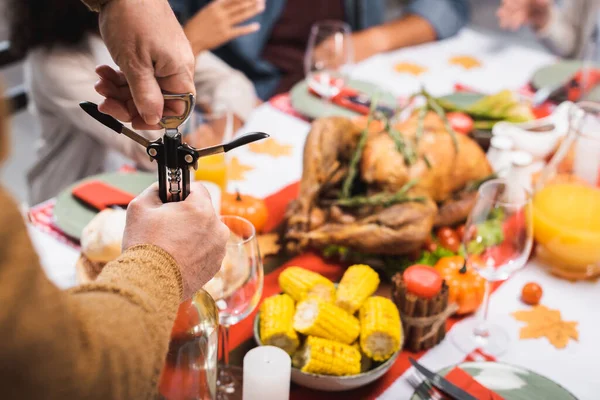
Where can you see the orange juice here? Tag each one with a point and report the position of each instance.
(213, 169)
(567, 228)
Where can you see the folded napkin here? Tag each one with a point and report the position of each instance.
(466, 382)
(100, 195)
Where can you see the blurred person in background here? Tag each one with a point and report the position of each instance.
(107, 339)
(272, 50)
(567, 30)
(61, 38)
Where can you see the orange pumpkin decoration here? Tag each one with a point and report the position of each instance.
(248, 207)
(466, 288)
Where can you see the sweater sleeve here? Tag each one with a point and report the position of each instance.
(105, 340)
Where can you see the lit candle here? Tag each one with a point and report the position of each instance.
(267, 371)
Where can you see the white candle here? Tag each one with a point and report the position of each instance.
(267, 371)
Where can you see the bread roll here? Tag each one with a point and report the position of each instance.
(101, 239)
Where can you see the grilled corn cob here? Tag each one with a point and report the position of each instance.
(358, 283)
(325, 320)
(276, 317)
(323, 356)
(301, 283)
(380, 328)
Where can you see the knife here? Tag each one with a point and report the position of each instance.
(112, 123)
(441, 383)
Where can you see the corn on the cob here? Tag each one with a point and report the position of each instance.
(323, 356)
(365, 362)
(301, 283)
(358, 283)
(325, 320)
(276, 318)
(380, 328)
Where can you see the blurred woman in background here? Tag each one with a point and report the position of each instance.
(570, 30)
(63, 49)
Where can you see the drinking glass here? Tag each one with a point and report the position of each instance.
(210, 126)
(497, 242)
(237, 289)
(328, 57)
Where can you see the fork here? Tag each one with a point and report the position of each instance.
(423, 388)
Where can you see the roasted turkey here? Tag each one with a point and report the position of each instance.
(442, 175)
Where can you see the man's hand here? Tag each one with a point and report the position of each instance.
(190, 231)
(512, 14)
(149, 46)
(217, 23)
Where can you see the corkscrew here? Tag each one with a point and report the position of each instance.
(173, 156)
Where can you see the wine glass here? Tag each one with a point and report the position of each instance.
(328, 57)
(497, 242)
(237, 289)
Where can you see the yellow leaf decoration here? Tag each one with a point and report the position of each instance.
(236, 171)
(544, 322)
(267, 243)
(271, 147)
(410, 68)
(467, 62)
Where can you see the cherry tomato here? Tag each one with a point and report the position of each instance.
(460, 231)
(449, 239)
(531, 293)
(430, 245)
(422, 280)
(460, 122)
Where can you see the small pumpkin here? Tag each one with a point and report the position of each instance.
(466, 287)
(251, 208)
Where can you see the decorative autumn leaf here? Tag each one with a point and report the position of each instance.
(267, 244)
(271, 147)
(467, 62)
(410, 68)
(544, 322)
(236, 171)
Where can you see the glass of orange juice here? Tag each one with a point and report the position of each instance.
(210, 126)
(567, 200)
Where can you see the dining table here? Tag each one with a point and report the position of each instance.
(274, 176)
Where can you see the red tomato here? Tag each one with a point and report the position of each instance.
(449, 239)
(430, 244)
(422, 280)
(460, 231)
(444, 232)
(460, 122)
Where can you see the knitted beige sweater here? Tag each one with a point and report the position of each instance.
(105, 340)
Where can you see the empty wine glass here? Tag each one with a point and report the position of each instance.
(497, 242)
(328, 57)
(237, 289)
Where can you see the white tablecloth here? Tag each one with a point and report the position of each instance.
(503, 66)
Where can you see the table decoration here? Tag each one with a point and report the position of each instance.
(467, 62)
(466, 288)
(249, 207)
(407, 67)
(545, 322)
(423, 318)
(531, 294)
(267, 371)
(271, 147)
(237, 170)
(268, 244)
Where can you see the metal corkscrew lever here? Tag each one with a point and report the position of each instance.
(173, 156)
